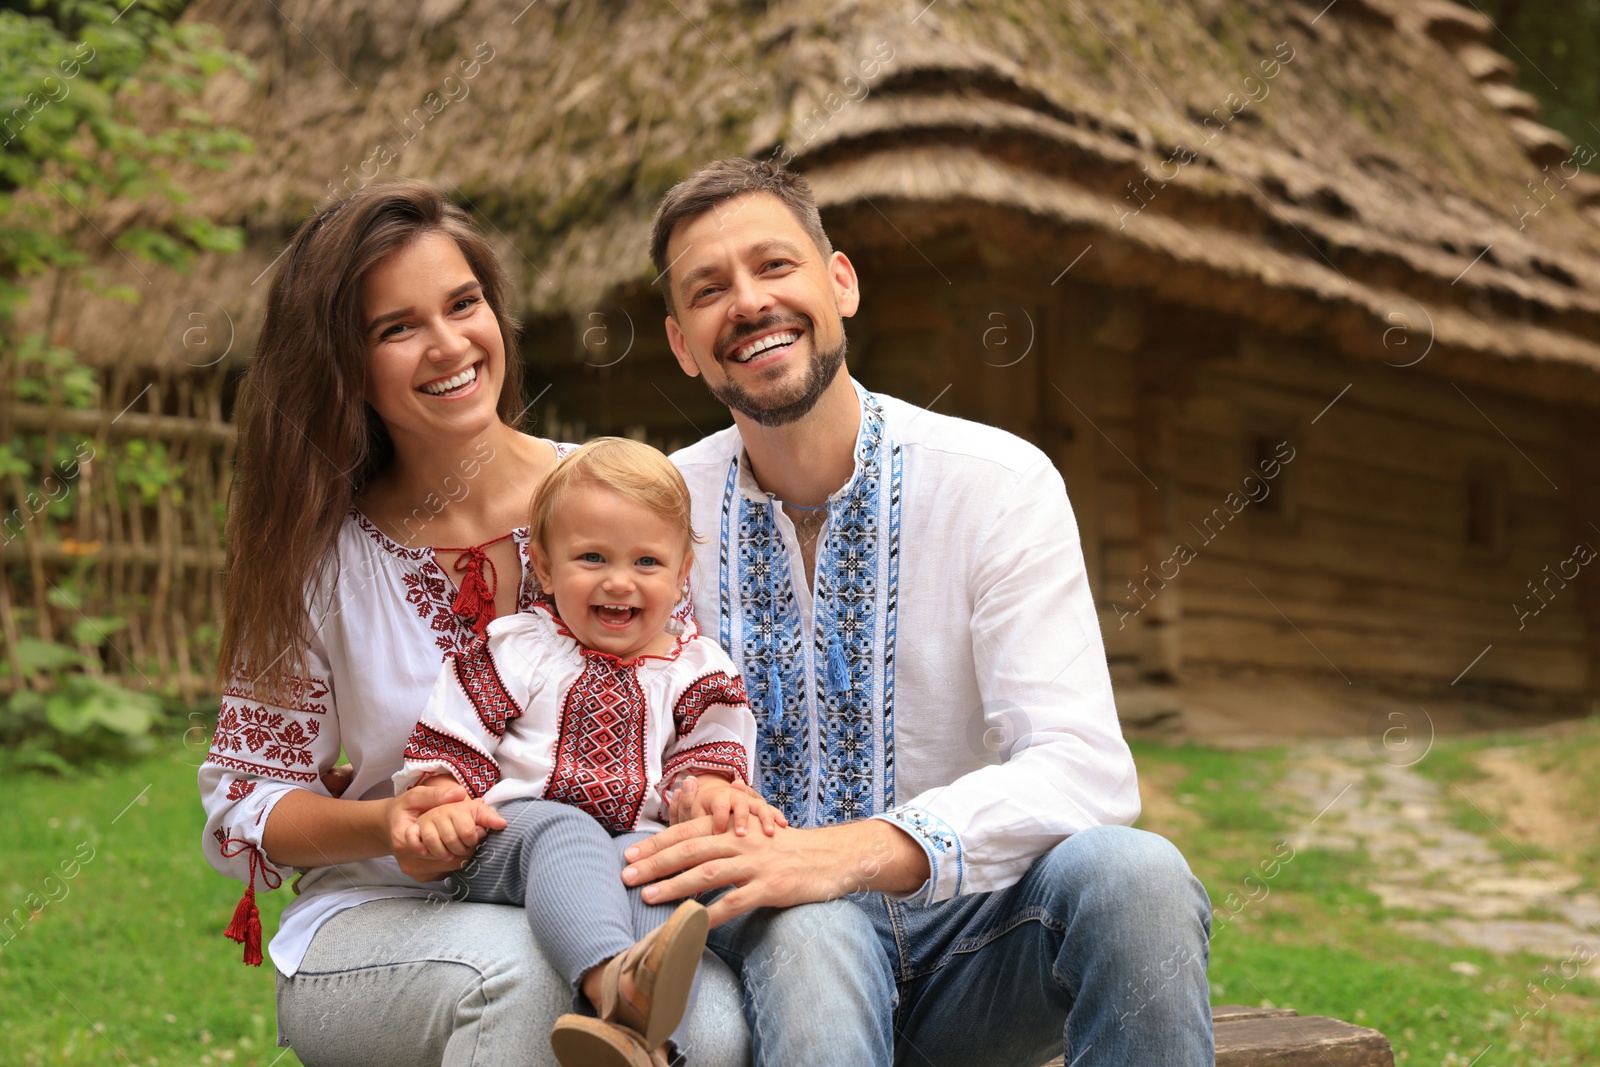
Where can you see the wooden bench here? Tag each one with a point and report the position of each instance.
(1277, 1037)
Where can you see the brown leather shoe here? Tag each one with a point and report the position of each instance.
(662, 966)
(579, 1041)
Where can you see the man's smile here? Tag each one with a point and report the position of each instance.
(750, 350)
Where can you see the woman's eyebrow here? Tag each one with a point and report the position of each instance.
(460, 290)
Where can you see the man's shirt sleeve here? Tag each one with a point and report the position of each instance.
(1061, 764)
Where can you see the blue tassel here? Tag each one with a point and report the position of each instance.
(838, 670)
(774, 700)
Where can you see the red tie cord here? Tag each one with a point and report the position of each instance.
(246, 925)
(474, 596)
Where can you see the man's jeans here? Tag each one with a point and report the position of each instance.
(1104, 941)
(817, 989)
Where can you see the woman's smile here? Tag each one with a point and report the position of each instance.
(453, 385)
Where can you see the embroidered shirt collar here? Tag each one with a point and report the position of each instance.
(864, 451)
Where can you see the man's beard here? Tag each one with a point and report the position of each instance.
(795, 404)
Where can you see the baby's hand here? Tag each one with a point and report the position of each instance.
(728, 803)
(452, 831)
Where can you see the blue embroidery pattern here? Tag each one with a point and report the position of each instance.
(940, 842)
(825, 748)
(772, 662)
(891, 618)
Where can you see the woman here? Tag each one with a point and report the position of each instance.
(376, 524)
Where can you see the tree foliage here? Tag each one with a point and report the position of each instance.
(1556, 46)
(99, 120)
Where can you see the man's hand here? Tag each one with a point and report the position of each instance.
(791, 867)
(728, 803)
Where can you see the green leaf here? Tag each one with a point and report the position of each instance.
(11, 463)
(25, 704)
(36, 655)
(96, 630)
(68, 712)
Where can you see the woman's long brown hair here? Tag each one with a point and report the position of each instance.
(308, 440)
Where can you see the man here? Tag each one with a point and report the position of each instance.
(905, 595)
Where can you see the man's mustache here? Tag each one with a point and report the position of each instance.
(745, 331)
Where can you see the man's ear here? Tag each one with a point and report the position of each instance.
(846, 287)
(680, 348)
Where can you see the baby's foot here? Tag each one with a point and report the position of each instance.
(647, 987)
(579, 1041)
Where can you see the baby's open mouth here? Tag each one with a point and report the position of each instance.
(614, 616)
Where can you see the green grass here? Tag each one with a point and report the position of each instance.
(1320, 943)
(129, 965)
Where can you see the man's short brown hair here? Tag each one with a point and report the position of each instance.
(724, 180)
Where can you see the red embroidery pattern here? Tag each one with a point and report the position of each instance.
(480, 681)
(429, 594)
(528, 591)
(262, 769)
(713, 755)
(305, 694)
(719, 687)
(473, 769)
(273, 736)
(238, 789)
(599, 760)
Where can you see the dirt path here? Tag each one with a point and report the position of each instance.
(1461, 879)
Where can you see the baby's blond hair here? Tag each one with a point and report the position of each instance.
(637, 471)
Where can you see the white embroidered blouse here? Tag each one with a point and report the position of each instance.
(946, 670)
(529, 712)
(381, 628)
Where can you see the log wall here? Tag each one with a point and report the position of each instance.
(1359, 566)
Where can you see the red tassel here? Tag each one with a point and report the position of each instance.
(474, 599)
(246, 927)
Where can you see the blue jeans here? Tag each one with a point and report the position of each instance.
(817, 989)
(405, 982)
(1103, 943)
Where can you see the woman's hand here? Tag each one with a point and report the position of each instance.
(337, 779)
(408, 807)
(427, 870)
(452, 831)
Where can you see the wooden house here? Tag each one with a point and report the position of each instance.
(1301, 299)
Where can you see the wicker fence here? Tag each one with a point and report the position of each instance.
(142, 543)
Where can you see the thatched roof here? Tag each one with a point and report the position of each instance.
(1384, 168)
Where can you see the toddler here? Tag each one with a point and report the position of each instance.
(575, 721)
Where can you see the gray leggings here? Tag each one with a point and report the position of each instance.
(565, 869)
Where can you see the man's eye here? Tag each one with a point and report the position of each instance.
(771, 263)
